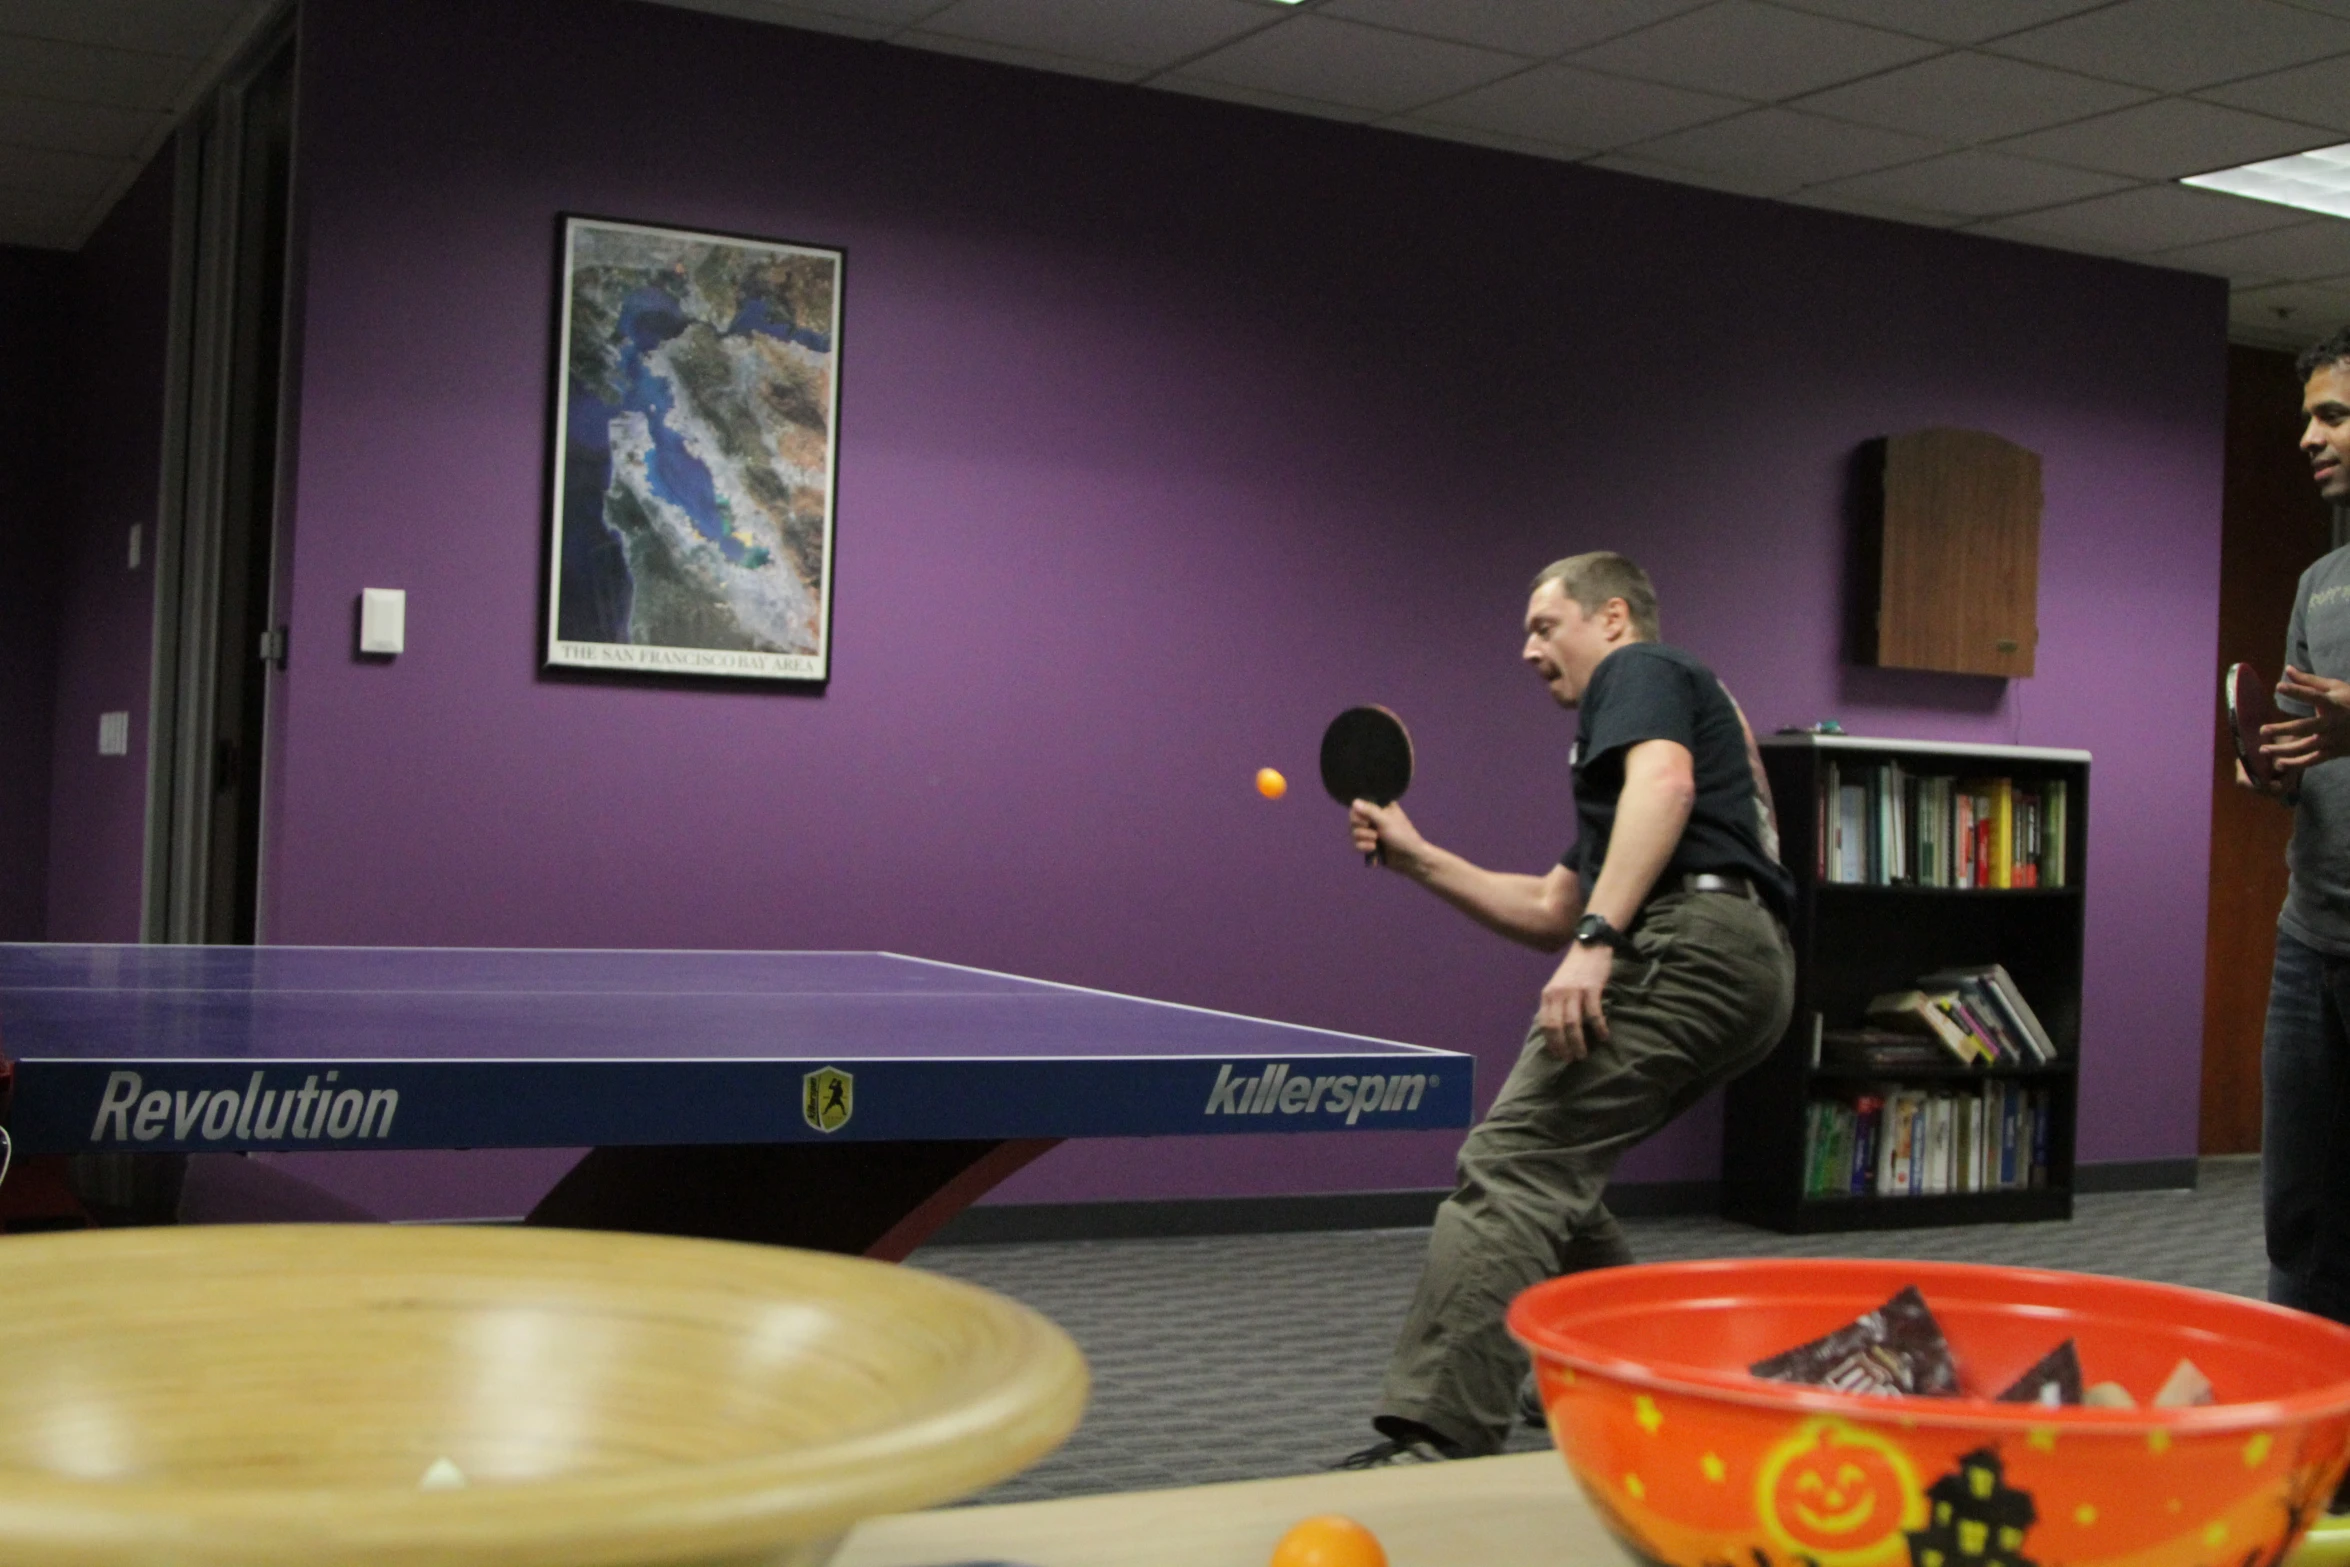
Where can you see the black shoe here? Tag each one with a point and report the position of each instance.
(1530, 1407)
(1394, 1451)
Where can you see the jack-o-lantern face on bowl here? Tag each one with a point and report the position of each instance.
(1838, 1494)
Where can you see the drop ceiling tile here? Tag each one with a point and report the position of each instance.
(1649, 168)
(191, 29)
(1499, 141)
(1319, 60)
(1148, 37)
(41, 68)
(849, 18)
(2289, 316)
(1562, 103)
(59, 173)
(2320, 249)
(1007, 54)
(1977, 185)
(2318, 94)
(1773, 151)
(2168, 138)
(1228, 92)
(79, 127)
(1829, 199)
(1969, 97)
(49, 212)
(2137, 222)
(1750, 50)
(1950, 21)
(2179, 45)
(1528, 27)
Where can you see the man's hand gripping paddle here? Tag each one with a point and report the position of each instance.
(1366, 755)
(2249, 706)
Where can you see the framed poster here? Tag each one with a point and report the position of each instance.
(696, 442)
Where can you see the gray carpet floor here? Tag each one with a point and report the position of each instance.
(1250, 1356)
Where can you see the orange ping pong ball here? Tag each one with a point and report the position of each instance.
(1329, 1541)
(1271, 784)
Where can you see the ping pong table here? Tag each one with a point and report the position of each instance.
(849, 1101)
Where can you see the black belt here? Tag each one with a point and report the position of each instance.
(1717, 881)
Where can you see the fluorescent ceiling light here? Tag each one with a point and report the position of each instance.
(2317, 181)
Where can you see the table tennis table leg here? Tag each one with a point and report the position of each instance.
(879, 1199)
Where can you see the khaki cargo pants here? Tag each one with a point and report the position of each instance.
(1704, 994)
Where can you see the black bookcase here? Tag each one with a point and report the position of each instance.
(1856, 941)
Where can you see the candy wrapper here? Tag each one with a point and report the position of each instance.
(2054, 1379)
(1896, 1349)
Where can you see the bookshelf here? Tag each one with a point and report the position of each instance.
(1889, 890)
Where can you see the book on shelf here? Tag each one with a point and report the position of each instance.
(1880, 1049)
(1915, 1012)
(2002, 1003)
(1881, 824)
(1913, 1142)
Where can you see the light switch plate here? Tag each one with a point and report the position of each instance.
(383, 620)
(114, 734)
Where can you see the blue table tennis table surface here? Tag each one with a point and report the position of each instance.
(184, 1049)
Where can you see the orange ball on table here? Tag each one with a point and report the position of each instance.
(1329, 1541)
(1271, 784)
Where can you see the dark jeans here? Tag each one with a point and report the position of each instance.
(2305, 1131)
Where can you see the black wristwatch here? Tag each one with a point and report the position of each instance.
(1593, 930)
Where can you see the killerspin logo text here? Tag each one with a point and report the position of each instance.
(1279, 1089)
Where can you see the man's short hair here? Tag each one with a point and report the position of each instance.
(1591, 580)
(2334, 350)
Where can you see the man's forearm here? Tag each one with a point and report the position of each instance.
(1524, 908)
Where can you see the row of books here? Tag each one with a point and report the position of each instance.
(1910, 1142)
(1882, 825)
(1973, 1016)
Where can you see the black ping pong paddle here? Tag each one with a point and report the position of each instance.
(2249, 706)
(1366, 755)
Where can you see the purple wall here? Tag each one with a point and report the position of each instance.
(97, 828)
(1169, 428)
(36, 295)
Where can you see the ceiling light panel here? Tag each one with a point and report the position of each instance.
(2180, 45)
(1748, 50)
(2315, 181)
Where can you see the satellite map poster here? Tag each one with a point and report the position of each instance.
(695, 447)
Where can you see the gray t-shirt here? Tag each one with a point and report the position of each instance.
(2317, 903)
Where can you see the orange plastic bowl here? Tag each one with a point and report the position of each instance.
(1689, 1460)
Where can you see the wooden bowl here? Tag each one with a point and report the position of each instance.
(275, 1394)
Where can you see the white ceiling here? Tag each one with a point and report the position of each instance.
(2057, 122)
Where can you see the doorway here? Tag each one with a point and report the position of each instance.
(218, 639)
(2272, 525)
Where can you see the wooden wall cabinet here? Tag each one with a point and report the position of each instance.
(1953, 553)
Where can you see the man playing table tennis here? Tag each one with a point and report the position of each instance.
(1678, 975)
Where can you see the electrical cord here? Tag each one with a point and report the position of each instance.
(7, 1153)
